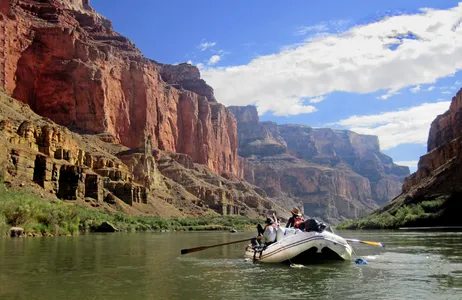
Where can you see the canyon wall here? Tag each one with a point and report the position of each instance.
(336, 174)
(431, 195)
(94, 170)
(67, 63)
(132, 134)
(103, 126)
(444, 148)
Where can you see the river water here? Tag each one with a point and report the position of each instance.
(413, 265)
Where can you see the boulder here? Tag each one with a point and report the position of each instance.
(106, 227)
(16, 232)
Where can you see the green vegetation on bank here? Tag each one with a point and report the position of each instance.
(43, 217)
(425, 213)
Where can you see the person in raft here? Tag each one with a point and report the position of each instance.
(268, 233)
(270, 230)
(296, 220)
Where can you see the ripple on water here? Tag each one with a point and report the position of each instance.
(412, 266)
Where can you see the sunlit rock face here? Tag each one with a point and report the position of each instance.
(336, 174)
(111, 128)
(68, 64)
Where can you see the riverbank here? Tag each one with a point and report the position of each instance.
(41, 217)
(441, 210)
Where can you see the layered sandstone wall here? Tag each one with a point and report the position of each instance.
(444, 144)
(447, 126)
(336, 173)
(186, 76)
(51, 156)
(68, 64)
(93, 170)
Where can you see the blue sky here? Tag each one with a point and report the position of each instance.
(376, 67)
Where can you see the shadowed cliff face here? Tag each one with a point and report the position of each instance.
(336, 173)
(443, 157)
(431, 195)
(68, 64)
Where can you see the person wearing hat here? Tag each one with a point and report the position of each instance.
(296, 220)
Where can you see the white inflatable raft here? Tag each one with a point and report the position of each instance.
(299, 247)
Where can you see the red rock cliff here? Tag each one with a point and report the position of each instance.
(68, 64)
(444, 144)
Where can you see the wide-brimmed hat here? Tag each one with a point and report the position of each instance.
(296, 212)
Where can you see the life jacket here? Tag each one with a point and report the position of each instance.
(298, 221)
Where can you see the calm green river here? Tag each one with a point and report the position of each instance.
(413, 265)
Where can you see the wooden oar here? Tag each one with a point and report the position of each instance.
(377, 244)
(190, 250)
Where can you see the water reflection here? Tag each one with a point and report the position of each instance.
(149, 266)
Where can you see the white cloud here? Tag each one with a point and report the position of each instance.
(415, 89)
(332, 26)
(292, 107)
(205, 45)
(458, 82)
(405, 126)
(308, 29)
(317, 99)
(446, 92)
(408, 163)
(358, 61)
(389, 94)
(200, 66)
(418, 89)
(189, 62)
(214, 59)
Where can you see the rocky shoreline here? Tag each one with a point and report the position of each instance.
(25, 214)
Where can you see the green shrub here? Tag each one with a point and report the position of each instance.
(405, 215)
(433, 206)
(41, 216)
(26, 210)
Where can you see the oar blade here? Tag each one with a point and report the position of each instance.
(186, 251)
(376, 244)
